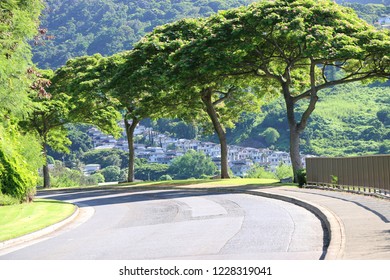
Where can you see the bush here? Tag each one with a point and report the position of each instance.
(111, 173)
(7, 200)
(258, 171)
(301, 176)
(284, 171)
(150, 171)
(97, 178)
(165, 178)
(192, 164)
(63, 177)
(16, 179)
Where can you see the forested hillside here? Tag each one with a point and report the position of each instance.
(353, 119)
(86, 27)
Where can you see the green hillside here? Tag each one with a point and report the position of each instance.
(86, 27)
(349, 120)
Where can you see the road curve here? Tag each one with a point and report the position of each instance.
(180, 224)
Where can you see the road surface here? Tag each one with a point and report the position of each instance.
(178, 224)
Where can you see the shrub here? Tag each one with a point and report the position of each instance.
(97, 178)
(150, 171)
(258, 171)
(7, 200)
(111, 173)
(165, 178)
(284, 171)
(301, 176)
(192, 164)
(16, 179)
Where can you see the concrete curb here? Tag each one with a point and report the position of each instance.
(39, 233)
(332, 223)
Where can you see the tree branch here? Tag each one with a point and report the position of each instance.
(226, 95)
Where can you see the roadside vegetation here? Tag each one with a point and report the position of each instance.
(20, 219)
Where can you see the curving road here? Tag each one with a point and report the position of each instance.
(179, 224)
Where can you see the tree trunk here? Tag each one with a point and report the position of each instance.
(295, 155)
(297, 128)
(206, 98)
(130, 141)
(45, 169)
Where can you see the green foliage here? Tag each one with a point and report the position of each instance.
(19, 162)
(110, 26)
(19, 157)
(192, 164)
(177, 128)
(165, 178)
(150, 171)
(98, 178)
(258, 171)
(18, 24)
(63, 177)
(370, 10)
(301, 176)
(284, 171)
(111, 173)
(271, 135)
(7, 200)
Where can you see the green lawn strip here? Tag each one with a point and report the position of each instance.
(21, 219)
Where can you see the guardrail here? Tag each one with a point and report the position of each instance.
(362, 174)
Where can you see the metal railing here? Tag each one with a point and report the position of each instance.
(365, 173)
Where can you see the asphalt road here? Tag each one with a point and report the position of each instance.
(176, 224)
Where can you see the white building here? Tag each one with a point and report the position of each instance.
(91, 168)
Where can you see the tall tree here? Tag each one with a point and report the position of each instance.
(293, 44)
(72, 99)
(134, 85)
(196, 91)
(18, 24)
(19, 153)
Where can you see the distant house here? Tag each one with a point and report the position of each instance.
(91, 168)
(240, 168)
(104, 147)
(384, 20)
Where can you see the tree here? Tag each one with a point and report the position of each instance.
(192, 164)
(19, 153)
(18, 24)
(292, 45)
(72, 100)
(150, 171)
(271, 135)
(111, 173)
(137, 84)
(198, 92)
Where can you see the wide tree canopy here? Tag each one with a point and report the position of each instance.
(300, 47)
(74, 98)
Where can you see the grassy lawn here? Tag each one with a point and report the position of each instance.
(17, 220)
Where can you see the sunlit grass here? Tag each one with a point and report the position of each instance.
(21, 219)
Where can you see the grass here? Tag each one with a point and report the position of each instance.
(21, 219)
